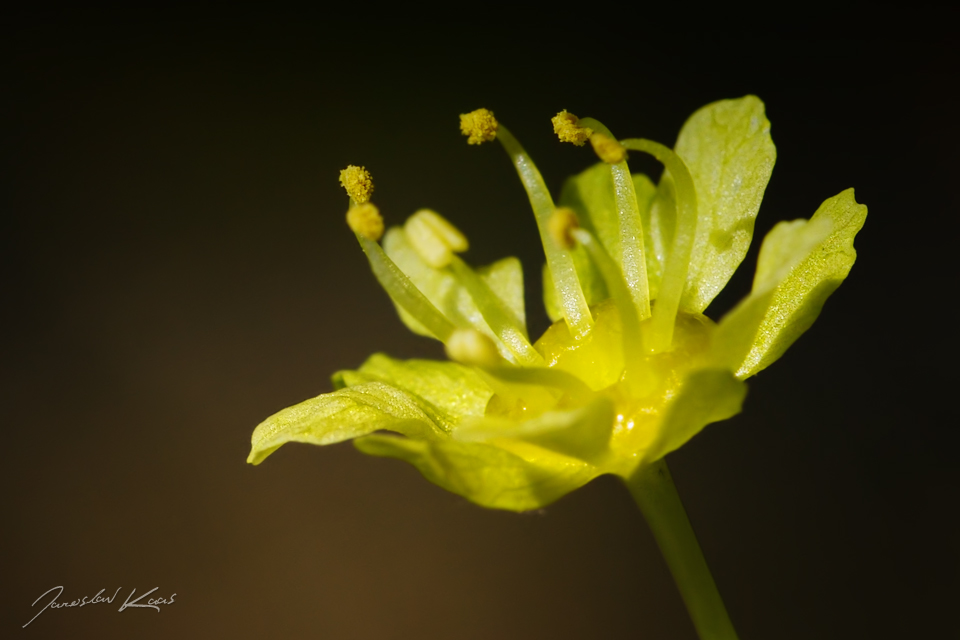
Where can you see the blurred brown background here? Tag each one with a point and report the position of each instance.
(177, 268)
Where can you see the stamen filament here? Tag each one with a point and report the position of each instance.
(565, 280)
(632, 251)
(678, 262)
(633, 353)
(498, 317)
(404, 292)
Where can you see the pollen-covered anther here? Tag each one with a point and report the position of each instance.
(608, 149)
(568, 128)
(479, 126)
(433, 238)
(469, 346)
(358, 182)
(365, 220)
(561, 223)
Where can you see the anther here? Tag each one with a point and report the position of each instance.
(469, 346)
(434, 238)
(358, 182)
(365, 220)
(479, 126)
(608, 149)
(561, 223)
(568, 128)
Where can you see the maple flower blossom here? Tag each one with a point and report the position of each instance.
(631, 369)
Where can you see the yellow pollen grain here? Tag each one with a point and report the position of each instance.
(479, 126)
(561, 223)
(358, 182)
(568, 128)
(608, 149)
(365, 220)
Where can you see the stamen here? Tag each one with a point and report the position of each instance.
(607, 148)
(358, 182)
(404, 292)
(479, 126)
(678, 262)
(434, 238)
(496, 314)
(365, 220)
(632, 249)
(564, 274)
(633, 353)
(568, 128)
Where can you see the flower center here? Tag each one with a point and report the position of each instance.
(597, 359)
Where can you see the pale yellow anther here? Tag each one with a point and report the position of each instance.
(366, 221)
(608, 149)
(568, 128)
(358, 182)
(434, 238)
(561, 223)
(469, 346)
(479, 126)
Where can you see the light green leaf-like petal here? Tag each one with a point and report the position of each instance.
(344, 414)
(581, 433)
(454, 391)
(485, 474)
(800, 264)
(708, 395)
(505, 278)
(728, 149)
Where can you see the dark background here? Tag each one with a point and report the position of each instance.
(176, 268)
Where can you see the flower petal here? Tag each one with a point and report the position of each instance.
(452, 391)
(707, 395)
(581, 433)
(505, 278)
(485, 474)
(344, 414)
(800, 264)
(730, 154)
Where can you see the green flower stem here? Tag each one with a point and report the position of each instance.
(654, 492)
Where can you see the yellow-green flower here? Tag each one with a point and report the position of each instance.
(631, 368)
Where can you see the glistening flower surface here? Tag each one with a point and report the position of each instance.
(631, 369)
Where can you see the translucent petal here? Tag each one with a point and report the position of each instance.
(728, 149)
(344, 414)
(707, 395)
(800, 264)
(486, 474)
(581, 433)
(453, 390)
